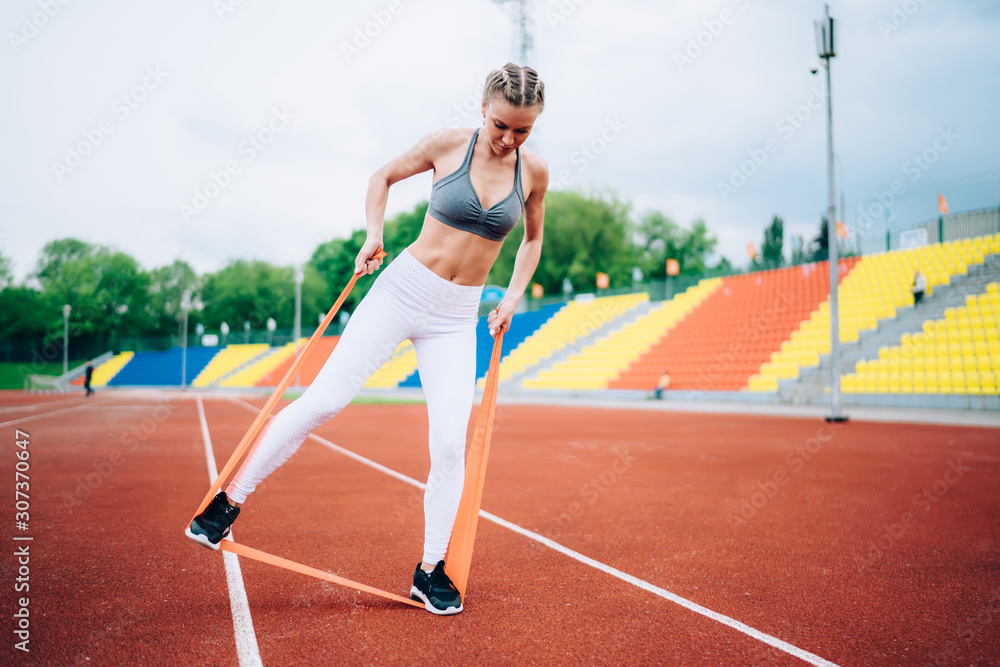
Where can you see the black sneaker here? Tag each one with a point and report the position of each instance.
(209, 527)
(436, 591)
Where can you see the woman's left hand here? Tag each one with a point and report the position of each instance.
(499, 318)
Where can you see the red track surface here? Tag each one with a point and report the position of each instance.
(653, 494)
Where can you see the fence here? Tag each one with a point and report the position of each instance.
(950, 227)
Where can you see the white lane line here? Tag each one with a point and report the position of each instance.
(791, 649)
(246, 638)
(35, 406)
(47, 414)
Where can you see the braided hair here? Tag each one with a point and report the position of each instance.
(520, 86)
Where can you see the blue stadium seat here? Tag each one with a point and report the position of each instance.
(522, 326)
(163, 368)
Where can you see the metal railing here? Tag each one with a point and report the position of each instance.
(951, 227)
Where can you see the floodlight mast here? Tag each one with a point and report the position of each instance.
(522, 20)
(826, 49)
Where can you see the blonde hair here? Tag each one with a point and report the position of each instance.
(520, 86)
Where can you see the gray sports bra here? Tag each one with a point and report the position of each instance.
(455, 203)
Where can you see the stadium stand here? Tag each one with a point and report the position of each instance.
(877, 307)
(104, 370)
(162, 368)
(558, 326)
(310, 368)
(566, 331)
(612, 356)
(524, 327)
(229, 359)
(109, 369)
(398, 368)
(729, 335)
(956, 354)
(250, 374)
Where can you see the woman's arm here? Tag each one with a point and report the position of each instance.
(417, 160)
(528, 253)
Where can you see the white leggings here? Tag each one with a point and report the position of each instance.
(407, 300)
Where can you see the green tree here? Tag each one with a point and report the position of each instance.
(333, 261)
(772, 253)
(23, 314)
(106, 289)
(799, 255)
(6, 273)
(56, 255)
(248, 291)
(819, 248)
(167, 285)
(656, 238)
(696, 245)
(582, 236)
(404, 229)
(724, 267)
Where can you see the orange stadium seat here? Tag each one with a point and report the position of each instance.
(730, 334)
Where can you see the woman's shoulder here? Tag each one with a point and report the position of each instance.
(442, 142)
(449, 137)
(535, 165)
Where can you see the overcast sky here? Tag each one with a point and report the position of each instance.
(120, 120)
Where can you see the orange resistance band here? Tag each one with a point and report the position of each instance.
(464, 533)
(484, 426)
(248, 552)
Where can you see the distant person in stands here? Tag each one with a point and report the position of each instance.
(919, 287)
(664, 383)
(88, 376)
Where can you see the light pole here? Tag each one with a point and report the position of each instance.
(246, 330)
(522, 19)
(66, 310)
(297, 329)
(826, 49)
(271, 326)
(224, 330)
(185, 307)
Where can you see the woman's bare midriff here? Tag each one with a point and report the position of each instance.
(457, 256)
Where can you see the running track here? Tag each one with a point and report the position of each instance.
(711, 539)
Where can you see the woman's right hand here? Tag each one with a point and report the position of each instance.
(366, 262)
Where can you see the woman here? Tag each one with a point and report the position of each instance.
(430, 294)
